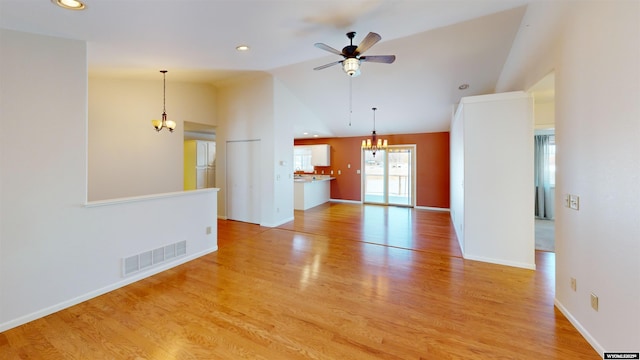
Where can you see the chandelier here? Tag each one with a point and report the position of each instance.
(374, 144)
(164, 123)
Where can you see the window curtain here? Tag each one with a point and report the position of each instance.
(543, 191)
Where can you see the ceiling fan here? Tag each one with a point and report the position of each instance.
(353, 54)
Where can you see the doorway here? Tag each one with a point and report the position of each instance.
(543, 94)
(388, 176)
(199, 165)
(544, 181)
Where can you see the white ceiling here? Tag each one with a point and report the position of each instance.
(439, 45)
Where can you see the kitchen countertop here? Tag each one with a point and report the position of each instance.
(311, 178)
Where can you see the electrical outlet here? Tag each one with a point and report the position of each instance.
(573, 284)
(594, 301)
(567, 200)
(208, 230)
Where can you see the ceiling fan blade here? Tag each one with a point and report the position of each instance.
(386, 59)
(369, 40)
(327, 65)
(327, 48)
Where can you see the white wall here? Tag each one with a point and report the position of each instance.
(127, 157)
(598, 142)
(55, 252)
(544, 114)
(288, 108)
(492, 178)
(456, 185)
(595, 52)
(261, 107)
(246, 112)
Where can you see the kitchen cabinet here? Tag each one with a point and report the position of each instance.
(199, 164)
(321, 155)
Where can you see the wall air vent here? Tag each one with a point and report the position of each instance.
(150, 258)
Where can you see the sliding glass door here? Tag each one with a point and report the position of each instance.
(373, 178)
(388, 176)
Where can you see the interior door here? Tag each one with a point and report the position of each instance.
(243, 176)
(388, 176)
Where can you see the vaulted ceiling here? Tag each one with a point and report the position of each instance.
(439, 46)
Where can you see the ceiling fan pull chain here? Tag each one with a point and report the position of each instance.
(350, 99)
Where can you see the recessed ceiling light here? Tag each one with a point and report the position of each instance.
(242, 47)
(69, 4)
(316, 135)
(305, 133)
(463, 87)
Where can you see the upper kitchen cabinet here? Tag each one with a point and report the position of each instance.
(321, 155)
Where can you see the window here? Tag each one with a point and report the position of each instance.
(302, 159)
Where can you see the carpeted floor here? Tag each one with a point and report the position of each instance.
(545, 235)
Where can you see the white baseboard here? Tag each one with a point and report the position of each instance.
(415, 207)
(500, 261)
(590, 339)
(346, 201)
(272, 225)
(432, 208)
(92, 294)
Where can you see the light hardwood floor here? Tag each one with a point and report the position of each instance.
(342, 281)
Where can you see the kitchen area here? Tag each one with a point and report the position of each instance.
(311, 189)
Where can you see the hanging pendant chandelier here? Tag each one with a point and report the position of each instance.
(374, 144)
(164, 123)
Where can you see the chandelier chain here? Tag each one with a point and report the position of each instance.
(164, 90)
(350, 99)
(164, 123)
(374, 119)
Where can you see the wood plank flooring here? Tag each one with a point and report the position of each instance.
(342, 281)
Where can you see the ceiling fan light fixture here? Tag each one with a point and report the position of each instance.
(351, 66)
(69, 4)
(352, 54)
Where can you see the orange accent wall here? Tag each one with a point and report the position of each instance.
(432, 166)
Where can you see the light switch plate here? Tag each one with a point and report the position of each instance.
(594, 301)
(574, 202)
